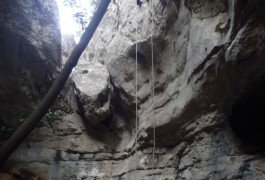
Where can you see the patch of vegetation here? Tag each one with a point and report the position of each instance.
(24, 113)
(52, 115)
(223, 29)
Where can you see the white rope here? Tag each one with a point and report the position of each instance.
(136, 89)
(153, 83)
(136, 94)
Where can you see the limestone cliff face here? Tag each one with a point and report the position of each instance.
(209, 91)
(30, 54)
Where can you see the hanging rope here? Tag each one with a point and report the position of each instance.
(153, 82)
(136, 88)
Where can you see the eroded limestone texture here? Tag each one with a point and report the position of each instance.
(93, 91)
(30, 55)
(207, 54)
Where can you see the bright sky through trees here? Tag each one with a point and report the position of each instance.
(74, 15)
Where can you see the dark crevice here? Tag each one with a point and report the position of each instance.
(248, 116)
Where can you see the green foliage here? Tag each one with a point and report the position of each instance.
(24, 113)
(223, 29)
(54, 114)
(21, 113)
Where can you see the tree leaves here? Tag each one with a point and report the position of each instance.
(82, 14)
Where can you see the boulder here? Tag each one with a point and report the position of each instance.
(93, 91)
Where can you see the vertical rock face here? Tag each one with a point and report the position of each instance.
(30, 54)
(209, 70)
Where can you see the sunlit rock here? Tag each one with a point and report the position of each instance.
(93, 90)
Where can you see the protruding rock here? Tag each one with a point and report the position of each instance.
(93, 88)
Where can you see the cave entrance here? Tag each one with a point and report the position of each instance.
(247, 119)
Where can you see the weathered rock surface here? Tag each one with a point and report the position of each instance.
(68, 44)
(30, 55)
(209, 67)
(93, 91)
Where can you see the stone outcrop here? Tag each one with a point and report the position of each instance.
(30, 55)
(209, 70)
(68, 44)
(93, 91)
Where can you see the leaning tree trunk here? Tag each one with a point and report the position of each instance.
(23, 131)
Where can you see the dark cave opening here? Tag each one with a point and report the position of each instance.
(247, 119)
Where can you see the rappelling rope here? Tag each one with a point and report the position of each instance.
(136, 94)
(153, 83)
(136, 88)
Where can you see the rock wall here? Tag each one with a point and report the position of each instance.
(207, 110)
(30, 55)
